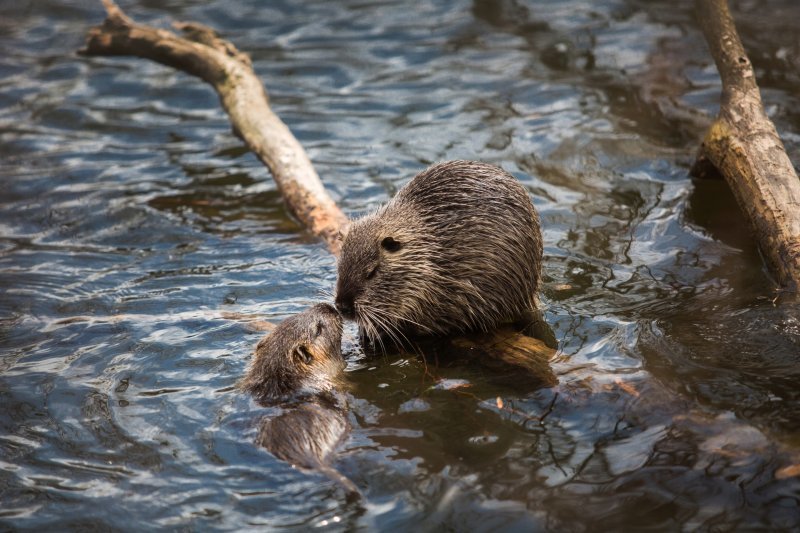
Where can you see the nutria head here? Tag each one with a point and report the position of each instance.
(387, 275)
(303, 355)
(457, 249)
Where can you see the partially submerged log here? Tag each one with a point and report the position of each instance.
(216, 61)
(743, 145)
(203, 54)
(511, 348)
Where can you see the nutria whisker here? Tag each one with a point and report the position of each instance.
(381, 326)
(324, 293)
(370, 330)
(389, 329)
(372, 322)
(393, 328)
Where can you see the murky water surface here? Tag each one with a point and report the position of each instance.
(132, 218)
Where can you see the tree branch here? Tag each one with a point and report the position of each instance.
(203, 54)
(745, 148)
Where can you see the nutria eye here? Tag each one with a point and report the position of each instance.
(372, 272)
(303, 354)
(391, 245)
(320, 327)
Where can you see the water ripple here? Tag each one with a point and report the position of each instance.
(135, 230)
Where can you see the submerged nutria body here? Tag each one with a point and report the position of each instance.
(307, 435)
(458, 249)
(298, 367)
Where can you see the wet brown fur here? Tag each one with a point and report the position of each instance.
(301, 356)
(299, 367)
(458, 249)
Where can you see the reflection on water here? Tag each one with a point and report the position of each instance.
(132, 220)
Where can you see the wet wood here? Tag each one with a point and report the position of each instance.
(200, 52)
(744, 147)
(531, 356)
(787, 472)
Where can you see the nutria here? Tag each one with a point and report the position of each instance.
(458, 249)
(298, 367)
(301, 356)
(307, 434)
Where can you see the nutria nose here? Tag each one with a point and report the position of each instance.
(345, 306)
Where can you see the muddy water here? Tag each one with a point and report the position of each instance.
(132, 218)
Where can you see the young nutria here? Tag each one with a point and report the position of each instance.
(306, 435)
(298, 367)
(458, 249)
(301, 356)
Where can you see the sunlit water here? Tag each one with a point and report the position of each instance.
(131, 219)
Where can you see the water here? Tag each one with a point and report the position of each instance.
(132, 219)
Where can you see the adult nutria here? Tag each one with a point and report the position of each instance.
(298, 368)
(458, 249)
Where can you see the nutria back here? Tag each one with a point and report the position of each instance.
(458, 249)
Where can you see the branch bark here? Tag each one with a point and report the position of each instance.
(216, 61)
(743, 145)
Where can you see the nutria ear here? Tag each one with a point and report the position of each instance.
(303, 354)
(391, 245)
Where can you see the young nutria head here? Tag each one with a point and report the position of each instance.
(458, 249)
(303, 355)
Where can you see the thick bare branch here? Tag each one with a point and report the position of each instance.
(216, 61)
(745, 148)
